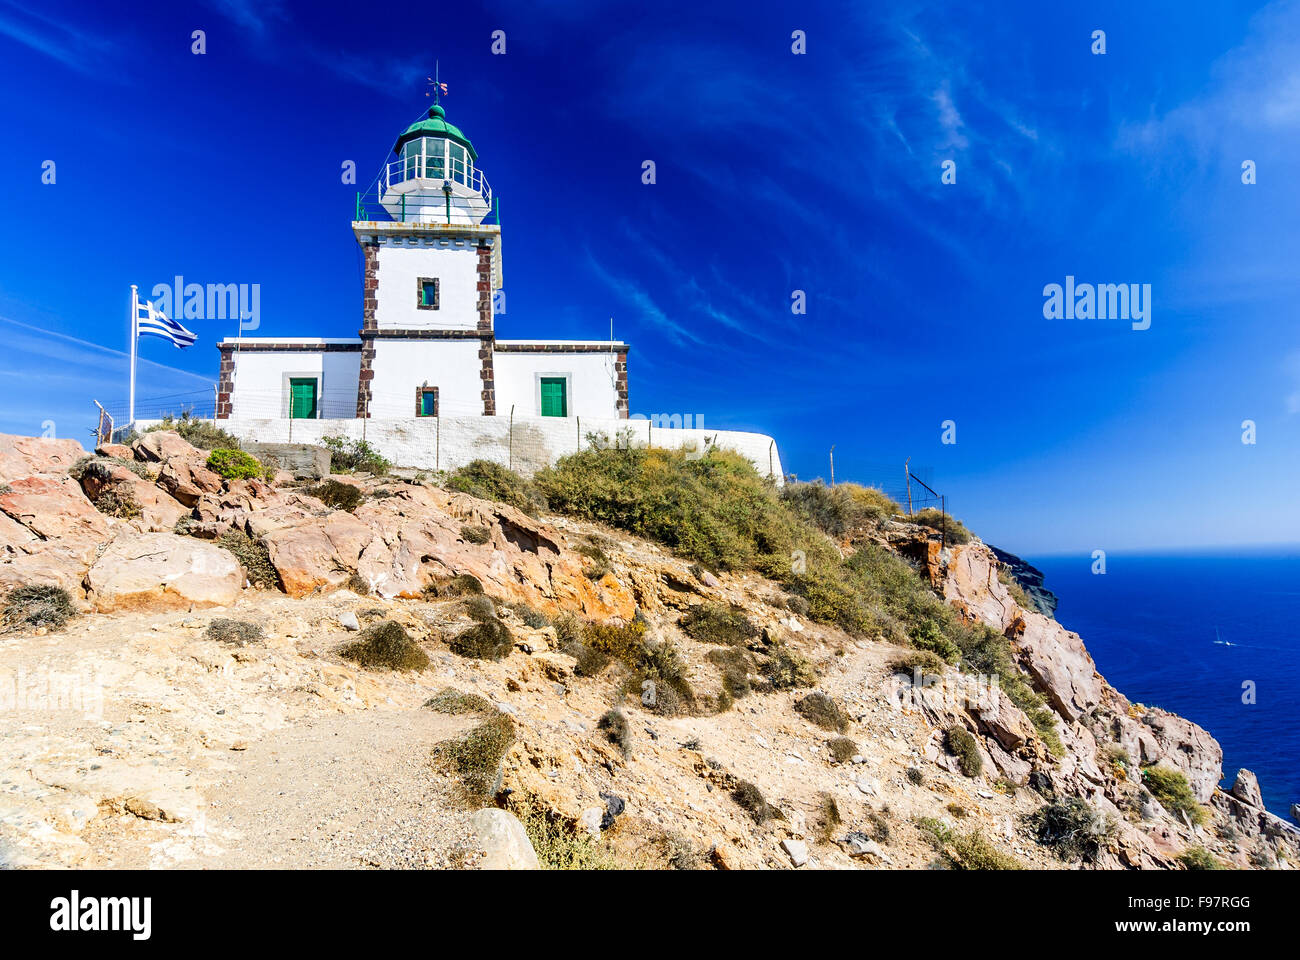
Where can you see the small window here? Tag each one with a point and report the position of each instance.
(554, 396)
(426, 401)
(427, 293)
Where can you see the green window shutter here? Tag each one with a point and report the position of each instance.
(554, 401)
(302, 399)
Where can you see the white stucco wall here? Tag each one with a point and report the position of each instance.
(261, 381)
(445, 443)
(403, 261)
(592, 391)
(453, 366)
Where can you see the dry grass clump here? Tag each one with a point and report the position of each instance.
(787, 668)
(476, 755)
(966, 851)
(843, 749)
(385, 646)
(476, 535)
(1072, 828)
(962, 745)
(827, 817)
(455, 702)
(491, 481)
(37, 606)
(617, 728)
(237, 632)
(461, 585)
(751, 800)
(822, 710)
(489, 639)
(718, 623)
(336, 494)
(253, 555)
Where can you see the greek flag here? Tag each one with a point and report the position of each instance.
(152, 322)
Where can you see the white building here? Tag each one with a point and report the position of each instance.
(426, 346)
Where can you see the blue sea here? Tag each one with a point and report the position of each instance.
(1185, 632)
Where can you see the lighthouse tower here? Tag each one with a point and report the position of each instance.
(431, 268)
(427, 354)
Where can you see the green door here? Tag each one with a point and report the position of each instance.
(554, 402)
(302, 398)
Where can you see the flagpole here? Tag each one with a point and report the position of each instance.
(135, 317)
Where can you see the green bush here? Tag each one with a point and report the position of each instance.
(822, 710)
(1198, 858)
(962, 745)
(253, 555)
(455, 702)
(491, 481)
(476, 756)
(336, 494)
(1173, 791)
(385, 646)
(348, 456)
(204, 434)
(1072, 828)
(843, 511)
(235, 465)
(38, 606)
(952, 528)
(717, 623)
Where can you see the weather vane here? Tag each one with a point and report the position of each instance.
(439, 89)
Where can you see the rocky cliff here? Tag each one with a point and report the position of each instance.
(149, 732)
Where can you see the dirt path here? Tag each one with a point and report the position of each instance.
(349, 790)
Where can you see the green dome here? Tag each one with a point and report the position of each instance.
(435, 125)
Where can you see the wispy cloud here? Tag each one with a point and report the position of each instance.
(633, 294)
(81, 50)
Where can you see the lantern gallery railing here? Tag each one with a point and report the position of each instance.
(421, 167)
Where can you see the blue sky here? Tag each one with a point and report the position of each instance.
(776, 172)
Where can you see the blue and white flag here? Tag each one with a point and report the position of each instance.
(152, 322)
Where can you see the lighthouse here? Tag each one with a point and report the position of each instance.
(429, 232)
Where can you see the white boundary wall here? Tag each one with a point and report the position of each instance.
(445, 443)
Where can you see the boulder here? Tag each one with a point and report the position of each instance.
(158, 511)
(162, 446)
(187, 481)
(297, 459)
(55, 508)
(1059, 663)
(1189, 748)
(119, 451)
(503, 841)
(1246, 789)
(28, 456)
(162, 570)
(319, 552)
